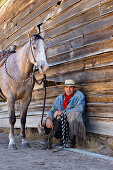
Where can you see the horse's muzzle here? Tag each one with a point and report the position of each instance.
(43, 68)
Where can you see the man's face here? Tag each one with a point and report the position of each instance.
(69, 90)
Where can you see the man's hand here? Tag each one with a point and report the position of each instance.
(49, 123)
(57, 113)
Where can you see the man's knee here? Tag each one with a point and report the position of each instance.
(74, 116)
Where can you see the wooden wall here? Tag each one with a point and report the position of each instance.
(80, 46)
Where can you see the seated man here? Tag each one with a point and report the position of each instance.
(72, 102)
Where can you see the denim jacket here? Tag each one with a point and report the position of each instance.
(76, 103)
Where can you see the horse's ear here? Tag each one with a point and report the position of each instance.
(32, 31)
(28, 33)
(43, 34)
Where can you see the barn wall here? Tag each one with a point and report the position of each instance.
(80, 46)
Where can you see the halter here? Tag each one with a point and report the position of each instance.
(30, 76)
(32, 52)
(37, 36)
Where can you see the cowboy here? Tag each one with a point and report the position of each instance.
(72, 102)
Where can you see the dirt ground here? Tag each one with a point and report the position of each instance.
(37, 158)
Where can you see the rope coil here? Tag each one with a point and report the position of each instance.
(64, 128)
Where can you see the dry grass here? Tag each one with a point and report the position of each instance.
(111, 145)
(92, 144)
(31, 133)
(4, 130)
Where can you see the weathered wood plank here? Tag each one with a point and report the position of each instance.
(99, 115)
(98, 99)
(82, 28)
(100, 126)
(99, 109)
(92, 95)
(105, 88)
(76, 50)
(103, 59)
(91, 62)
(86, 75)
(106, 6)
(77, 11)
(14, 21)
(24, 21)
(31, 121)
(17, 9)
(102, 34)
(94, 75)
(30, 20)
(101, 22)
(11, 9)
(51, 92)
(71, 23)
(97, 35)
(80, 46)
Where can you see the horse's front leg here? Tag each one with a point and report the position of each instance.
(12, 120)
(23, 114)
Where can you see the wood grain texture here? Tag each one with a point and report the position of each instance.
(79, 39)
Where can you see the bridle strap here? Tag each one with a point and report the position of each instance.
(32, 52)
(44, 83)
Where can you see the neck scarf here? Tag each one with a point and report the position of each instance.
(65, 102)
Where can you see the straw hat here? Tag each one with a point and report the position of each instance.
(69, 82)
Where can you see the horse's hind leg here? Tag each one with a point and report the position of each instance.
(23, 114)
(12, 120)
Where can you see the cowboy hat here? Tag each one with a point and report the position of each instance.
(69, 82)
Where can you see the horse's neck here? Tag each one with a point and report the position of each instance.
(24, 65)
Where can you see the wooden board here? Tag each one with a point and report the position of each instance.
(79, 39)
(101, 126)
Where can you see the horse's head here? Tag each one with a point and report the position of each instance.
(38, 52)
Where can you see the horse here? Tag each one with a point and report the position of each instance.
(17, 81)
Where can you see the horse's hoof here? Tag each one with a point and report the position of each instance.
(12, 146)
(25, 145)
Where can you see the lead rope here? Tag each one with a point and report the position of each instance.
(64, 128)
(44, 84)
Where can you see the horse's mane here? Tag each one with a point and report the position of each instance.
(37, 36)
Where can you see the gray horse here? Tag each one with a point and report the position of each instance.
(17, 81)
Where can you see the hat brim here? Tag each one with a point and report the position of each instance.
(63, 85)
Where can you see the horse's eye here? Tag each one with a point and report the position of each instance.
(34, 48)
